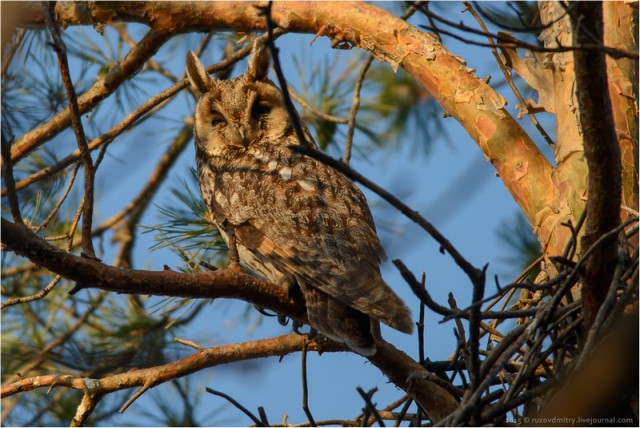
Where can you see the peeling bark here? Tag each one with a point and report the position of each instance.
(620, 30)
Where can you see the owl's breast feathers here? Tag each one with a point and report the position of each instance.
(307, 220)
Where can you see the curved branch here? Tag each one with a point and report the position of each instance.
(223, 283)
(205, 358)
(521, 166)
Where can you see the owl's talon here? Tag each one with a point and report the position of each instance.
(298, 325)
(266, 313)
(313, 333)
(283, 320)
(296, 328)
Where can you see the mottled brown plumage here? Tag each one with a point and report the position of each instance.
(296, 221)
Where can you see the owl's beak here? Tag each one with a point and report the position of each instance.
(243, 137)
(240, 137)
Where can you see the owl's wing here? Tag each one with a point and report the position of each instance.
(314, 223)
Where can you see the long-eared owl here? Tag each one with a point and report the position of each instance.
(295, 221)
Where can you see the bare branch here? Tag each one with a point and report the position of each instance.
(39, 295)
(208, 357)
(7, 174)
(284, 88)
(243, 409)
(602, 151)
(305, 386)
(224, 283)
(78, 130)
(366, 396)
(355, 105)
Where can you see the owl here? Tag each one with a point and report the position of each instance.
(294, 220)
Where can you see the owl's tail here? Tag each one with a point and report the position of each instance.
(339, 322)
(372, 296)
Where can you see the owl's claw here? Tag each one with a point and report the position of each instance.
(283, 320)
(266, 313)
(298, 325)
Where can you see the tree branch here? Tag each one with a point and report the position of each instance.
(76, 123)
(205, 358)
(602, 153)
(223, 283)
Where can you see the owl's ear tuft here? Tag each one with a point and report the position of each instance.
(197, 74)
(258, 63)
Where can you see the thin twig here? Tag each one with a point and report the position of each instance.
(55, 209)
(355, 105)
(9, 180)
(404, 411)
(433, 24)
(305, 387)
(474, 333)
(498, 410)
(322, 115)
(366, 396)
(188, 343)
(76, 124)
(17, 270)
(144, 388)
(263, 416)
(420, 323)
(243, 409)
(270, 42)
(448, 314)
(508, 41)
(39, 295)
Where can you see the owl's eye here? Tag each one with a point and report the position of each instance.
(217, 120)
(259, 110)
